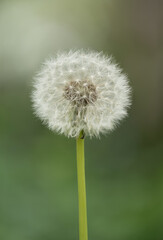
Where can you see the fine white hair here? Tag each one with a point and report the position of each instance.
(81, 91)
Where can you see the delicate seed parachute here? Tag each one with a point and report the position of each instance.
(81, 91)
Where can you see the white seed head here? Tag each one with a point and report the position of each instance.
(81, 91)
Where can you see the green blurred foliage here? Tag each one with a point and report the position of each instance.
(124, 170)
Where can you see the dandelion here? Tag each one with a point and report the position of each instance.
(81, 94)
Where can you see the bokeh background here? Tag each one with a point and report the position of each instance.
(124, 170)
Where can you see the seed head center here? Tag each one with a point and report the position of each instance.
(80, 93)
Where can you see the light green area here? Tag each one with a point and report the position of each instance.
(83, 232)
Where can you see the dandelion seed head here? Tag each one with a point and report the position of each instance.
(81, 91)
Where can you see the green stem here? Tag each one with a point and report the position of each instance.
(83, 233)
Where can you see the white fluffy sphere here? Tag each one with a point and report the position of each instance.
(81, 91)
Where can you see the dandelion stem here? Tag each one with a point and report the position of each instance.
(83, 233)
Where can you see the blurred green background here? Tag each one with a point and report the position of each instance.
(124, 170)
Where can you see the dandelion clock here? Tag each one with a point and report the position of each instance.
(81, 94)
